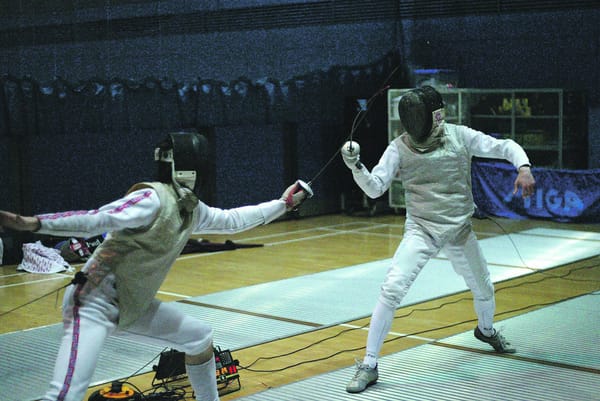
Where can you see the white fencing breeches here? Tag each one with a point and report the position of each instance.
(468, 261)
(88, 325)
(414, 251)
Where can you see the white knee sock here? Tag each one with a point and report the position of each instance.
(381, 320)
(485, 314)
(203, 379)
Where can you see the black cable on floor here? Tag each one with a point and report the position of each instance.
(468, 298)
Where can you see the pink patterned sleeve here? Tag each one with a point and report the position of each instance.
(137, 209)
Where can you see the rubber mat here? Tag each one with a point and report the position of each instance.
(28, 358)
(564, 333)
(323, 298)
(251, 315)
(555, 344)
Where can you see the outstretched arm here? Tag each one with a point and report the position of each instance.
(136, 209)
(18, 222)
(212, 220)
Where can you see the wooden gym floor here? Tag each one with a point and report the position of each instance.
(299, 247)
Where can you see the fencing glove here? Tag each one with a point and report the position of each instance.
(295, 194)
(351, 155)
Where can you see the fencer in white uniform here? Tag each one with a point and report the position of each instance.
(115, 291)
(433, 160)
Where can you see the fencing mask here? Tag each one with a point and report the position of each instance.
(183, 158)
(421, 110)
(187, 154)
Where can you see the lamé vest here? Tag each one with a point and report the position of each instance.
(141, 258)
(438, 186)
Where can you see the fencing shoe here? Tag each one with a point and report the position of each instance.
(363, 378)
(497, 341)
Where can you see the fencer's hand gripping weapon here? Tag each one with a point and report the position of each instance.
(306, 187)
(351, 154)
(291, 198)
(351, 149)
(360, 116)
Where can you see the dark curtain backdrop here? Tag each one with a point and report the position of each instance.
(66, 145)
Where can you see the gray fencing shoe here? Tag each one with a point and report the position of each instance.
(363, 378)
(497, 341)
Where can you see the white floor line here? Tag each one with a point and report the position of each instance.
(336, 228)
(248, 240)
(309, 238)
(34, 281)
(305, 230)
(289, 241)
(385, 235)
(14, 275)
(173, 294)
(391, 333)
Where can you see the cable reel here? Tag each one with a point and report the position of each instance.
(115, 392)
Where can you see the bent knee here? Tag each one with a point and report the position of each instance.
(394, 290)
(198, 340)
(203, 356)
(391, 296)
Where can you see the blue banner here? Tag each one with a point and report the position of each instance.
(560, 195)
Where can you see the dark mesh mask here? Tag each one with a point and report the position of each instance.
(415, 109)
(188, 152)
